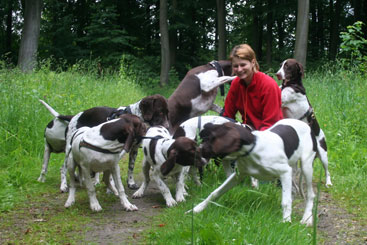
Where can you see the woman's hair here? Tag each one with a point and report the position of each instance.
(244, 51)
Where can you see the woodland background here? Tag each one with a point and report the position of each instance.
(167, 37)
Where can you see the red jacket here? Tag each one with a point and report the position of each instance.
(263, 103)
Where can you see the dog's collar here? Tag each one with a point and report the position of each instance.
(118, 113)
(95, 148)
(249, 151)
(308, 113)
(151, 137)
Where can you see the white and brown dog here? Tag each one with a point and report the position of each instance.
(151, 109)
(99, 149)
(295, 104)
(54, 138)
(167, 157)
(265, 155)
(196, 93)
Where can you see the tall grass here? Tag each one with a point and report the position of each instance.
(242, 215)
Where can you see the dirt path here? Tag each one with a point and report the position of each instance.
(121, 227)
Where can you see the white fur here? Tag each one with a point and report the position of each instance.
(267, 161)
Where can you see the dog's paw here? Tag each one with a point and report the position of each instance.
(95, 207)
(138, 194)
(42, 178)
(132, 186)
(130, 207)
(180, 198)
(171, 202)
(307, 221)
(69, 203)
(64, 189)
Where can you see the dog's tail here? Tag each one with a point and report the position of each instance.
(50, 109)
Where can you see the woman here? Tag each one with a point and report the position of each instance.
(254, 94)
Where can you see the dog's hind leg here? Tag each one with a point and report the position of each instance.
(230, 182)
(71, 170)
(46, 159)
(93, 201)
(109, 183)
(130, 174)
(145, 168)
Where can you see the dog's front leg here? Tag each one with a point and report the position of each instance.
(286, 180)
(180, 186)
(93, 201)
(71, 170)
(63, 170)
(120, 188)
(164, 190)
(130, 173)
(145, 168)
(230, 182)
(216, 108)
(46, 159)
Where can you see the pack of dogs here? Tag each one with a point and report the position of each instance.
(177, 139)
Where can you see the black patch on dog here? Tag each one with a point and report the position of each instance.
(94, 116)
(145, 151)
(152, 146)
(179, 132)
(312, 122)
(314, 142)
(289, 137)
(115, 131)
(323, 144)
(50, 124)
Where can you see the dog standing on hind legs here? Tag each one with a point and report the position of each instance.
(295, 104)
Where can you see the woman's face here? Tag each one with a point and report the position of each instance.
(244, 69)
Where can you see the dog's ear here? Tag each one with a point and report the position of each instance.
(168, 165)
(300, 69)
(130, 139)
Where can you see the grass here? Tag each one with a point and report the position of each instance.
(33, 212)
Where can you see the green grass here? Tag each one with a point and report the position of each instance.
(241, 216)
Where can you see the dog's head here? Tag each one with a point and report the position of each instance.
(291, 73)
(127, 129)
(154, 110)
(185, 152)
(222, 140)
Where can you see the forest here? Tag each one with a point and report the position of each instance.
(170, 36)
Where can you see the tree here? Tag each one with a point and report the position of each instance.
(163, 26)
(302, 31)
(30, 35)
(221, 17)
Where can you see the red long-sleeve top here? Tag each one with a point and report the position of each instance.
(259, 103)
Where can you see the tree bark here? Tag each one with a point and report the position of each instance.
(300, 53)
(27, 58)
(269, 32)
(163, 26)
(221, 16)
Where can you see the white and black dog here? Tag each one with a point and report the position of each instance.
(196, 93)
(54, 137)
(167, 157)
(265, 155)
(151, 109)
(295, 104)
(99, 149)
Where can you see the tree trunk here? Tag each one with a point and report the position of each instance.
(221, 16)
(334, 28)
(9, 23)
(300, 53)
(163, 26)
(269, 32)
(173, 35)
(28, 46)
